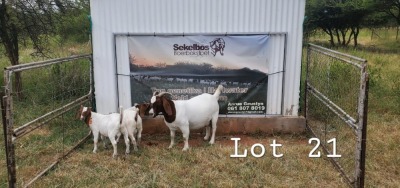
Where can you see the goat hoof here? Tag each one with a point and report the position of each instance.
(211, 143)
(205, 138)
(185, 149)
(114, 156)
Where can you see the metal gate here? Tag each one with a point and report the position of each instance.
(336, 96)
(39, 118)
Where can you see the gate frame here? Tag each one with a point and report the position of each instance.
(11, 134)
(360, 128)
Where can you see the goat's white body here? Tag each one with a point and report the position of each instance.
(105, 124)
(109, 126)
(195, 113)
(133, 127)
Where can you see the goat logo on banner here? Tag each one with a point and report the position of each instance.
(217, 45)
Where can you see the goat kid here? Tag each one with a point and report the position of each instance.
(133, 123)
(105, 125)
(195, 113)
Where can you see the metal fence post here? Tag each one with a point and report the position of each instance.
(4, 119)
(92, 89)
(306, 84)
(8, 134)
(362, 128)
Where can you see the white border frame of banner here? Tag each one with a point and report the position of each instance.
(115, 35)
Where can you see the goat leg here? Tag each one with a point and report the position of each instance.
(185, 133)
(95, 140)
(172, 139)
(114, 144)
(104, 140)
(207, 133)
(214, 128)
(126, 139)
(133, 142)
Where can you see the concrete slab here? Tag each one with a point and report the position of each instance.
(238, 125)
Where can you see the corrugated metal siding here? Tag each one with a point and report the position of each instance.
(193, 16)
(275, 67)
(124, 82)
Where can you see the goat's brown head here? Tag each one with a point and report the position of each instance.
(162, 103)
(85, 114)
(144, 109)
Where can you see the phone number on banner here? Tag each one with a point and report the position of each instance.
(245, 107)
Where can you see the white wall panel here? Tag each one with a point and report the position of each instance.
(123, 72)
(193, 16)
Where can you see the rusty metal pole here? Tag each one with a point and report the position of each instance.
(362, 128)
(10, 153)
(4, 119)
(306, 85)
(364, 138)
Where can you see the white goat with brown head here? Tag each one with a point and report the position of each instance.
(104, 125)
(195, 113)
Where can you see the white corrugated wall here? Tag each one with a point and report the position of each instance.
(193, 16)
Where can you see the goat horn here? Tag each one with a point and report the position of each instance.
(163, 93)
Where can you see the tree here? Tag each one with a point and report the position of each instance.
(341, 19)
(74, 24)
(28, 20)
(391, 8)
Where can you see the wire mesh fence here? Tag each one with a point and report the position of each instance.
(40, 102)
(336, 103)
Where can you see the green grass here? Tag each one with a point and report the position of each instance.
(211, 166)
(203, 166)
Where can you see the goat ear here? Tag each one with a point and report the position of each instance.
(168, 106)
(140, 109)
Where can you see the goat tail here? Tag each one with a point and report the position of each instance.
(121, 113)
(218, 91)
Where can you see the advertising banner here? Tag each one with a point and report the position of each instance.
(187, 66)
